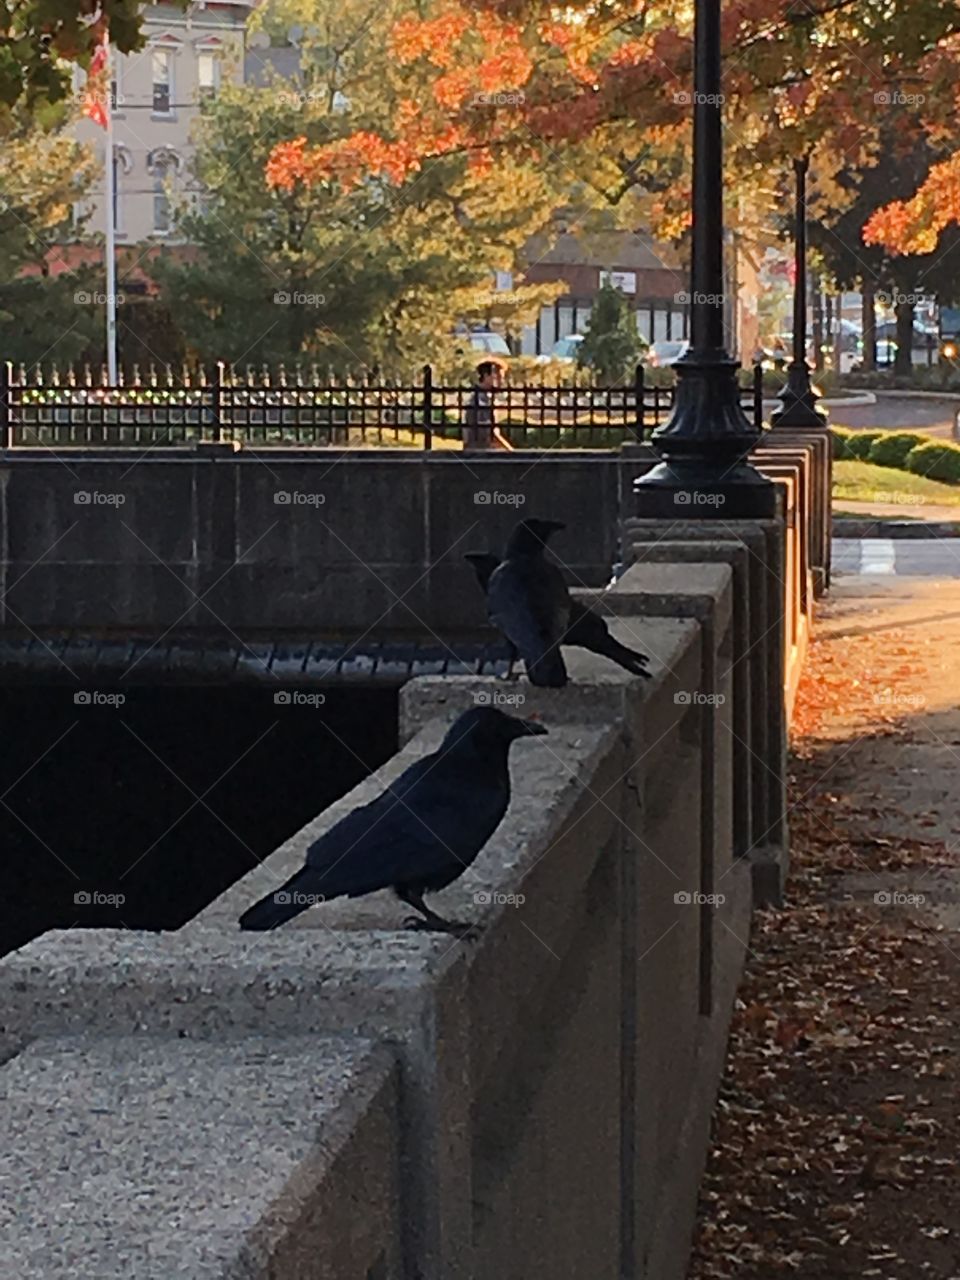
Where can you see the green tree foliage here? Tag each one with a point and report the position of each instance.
(40, 38)
(48, 306)
(354, 276)
(611, 345)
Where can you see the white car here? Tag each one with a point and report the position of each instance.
(662, 354)
(491, 344)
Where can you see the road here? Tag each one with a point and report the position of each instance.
(905, 557)
(895, 412)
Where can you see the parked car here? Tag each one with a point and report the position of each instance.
(566, 349)
(661, 354)
(488, 343)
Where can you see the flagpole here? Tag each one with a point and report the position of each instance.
(111, 231)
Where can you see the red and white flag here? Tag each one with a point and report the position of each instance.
(96, 100)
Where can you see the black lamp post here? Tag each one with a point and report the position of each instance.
(705, 443)
(798, 400)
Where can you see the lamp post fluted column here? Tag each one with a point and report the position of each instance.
(705, 443)
(798, 400)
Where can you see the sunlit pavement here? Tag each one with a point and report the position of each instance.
(894, 413)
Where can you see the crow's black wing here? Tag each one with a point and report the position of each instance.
(425, 830)
(529, 602)
(432, 821)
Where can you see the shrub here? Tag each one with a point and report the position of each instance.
(891, 449)
(861, 442)
(841, 442)
(936, 459)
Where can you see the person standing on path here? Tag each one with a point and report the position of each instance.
(479, 425)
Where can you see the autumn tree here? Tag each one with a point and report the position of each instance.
(349, 270)
(855, 259)
(39, 39)
(603, 93)
(48, 306)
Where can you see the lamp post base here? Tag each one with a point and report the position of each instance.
(798, 402)
(688, 491)
(705, 472)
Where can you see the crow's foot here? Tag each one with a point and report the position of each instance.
(436, 924)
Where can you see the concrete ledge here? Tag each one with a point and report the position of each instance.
(158, 1158)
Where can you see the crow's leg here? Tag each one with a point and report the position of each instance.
(430, 921)
(510, 673)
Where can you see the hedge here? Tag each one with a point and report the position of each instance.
(861, 442)
(841, 441)
(936, 459)
(891, 449)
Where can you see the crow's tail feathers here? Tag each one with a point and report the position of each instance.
(284, 903)
(548, 671)
(629, 659)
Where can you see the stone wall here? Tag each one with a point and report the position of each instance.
(342, 1098)
(352, 544)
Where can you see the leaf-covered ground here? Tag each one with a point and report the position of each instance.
(837, 1131)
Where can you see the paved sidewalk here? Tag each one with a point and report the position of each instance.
(837, 1137)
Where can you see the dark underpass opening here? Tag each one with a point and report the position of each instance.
(134, 807)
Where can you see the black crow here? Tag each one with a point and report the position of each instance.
(586, 629)
(419, 835)
(529, 602)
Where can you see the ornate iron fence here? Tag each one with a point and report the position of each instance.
(265, 408)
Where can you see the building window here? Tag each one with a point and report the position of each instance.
(162, 82)
(208, 76)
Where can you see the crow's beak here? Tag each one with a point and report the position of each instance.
(554, 525)
(531, 728)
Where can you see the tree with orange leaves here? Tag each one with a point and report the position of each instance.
(603, 92)
(370, 259)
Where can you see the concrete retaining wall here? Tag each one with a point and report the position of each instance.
(547, 1106)
(342, 1098)
(291, 541)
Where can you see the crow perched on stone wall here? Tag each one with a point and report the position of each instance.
(419, 835)
(586, 629)
(529, 602)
